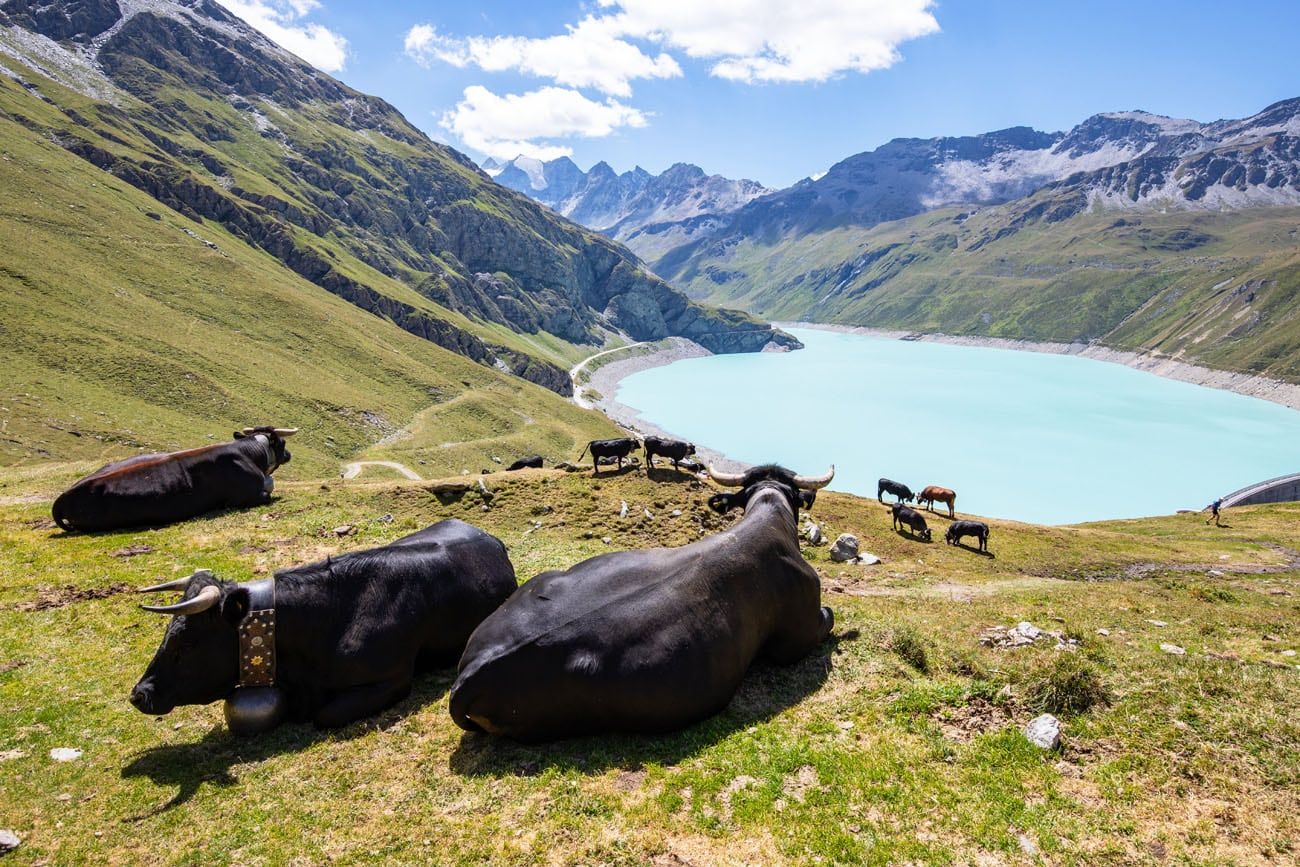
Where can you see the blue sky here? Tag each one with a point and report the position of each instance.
(776, 91)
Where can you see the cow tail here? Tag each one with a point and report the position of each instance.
(584, 451)
(60, 517)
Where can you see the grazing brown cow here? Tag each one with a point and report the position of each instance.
(934, 493)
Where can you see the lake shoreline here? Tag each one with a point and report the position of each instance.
(604, 382)
(1250, 385)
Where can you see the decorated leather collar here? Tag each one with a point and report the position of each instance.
(257, 636)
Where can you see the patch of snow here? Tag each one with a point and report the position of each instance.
(534, 169)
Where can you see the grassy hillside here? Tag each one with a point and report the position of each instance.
(897, 742)
(129, 326)
(1217, 289)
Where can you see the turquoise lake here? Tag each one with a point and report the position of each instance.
(1044, 438)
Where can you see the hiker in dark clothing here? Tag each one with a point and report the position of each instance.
(1214, 512)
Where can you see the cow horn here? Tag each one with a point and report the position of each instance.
(206, 598)
(727, 480)
(284, 431)
(814, 483)
(178, 583)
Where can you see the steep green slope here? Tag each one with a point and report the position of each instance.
(189, 104)
(1213, 288)
(127, 325)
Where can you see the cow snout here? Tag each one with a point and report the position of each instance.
(145, 701)
(287, 457)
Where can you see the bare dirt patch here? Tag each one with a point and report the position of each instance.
(58, 597)
(964, 723)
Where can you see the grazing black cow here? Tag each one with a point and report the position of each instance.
(607, 450)
(912, 519)
(155, 489)
(346, 633)
(888, 486)
(675, 450)
(978, 529)
(650, 640)
(534, 462)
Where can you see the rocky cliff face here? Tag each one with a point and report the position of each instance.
(214, 120)
(636, 207)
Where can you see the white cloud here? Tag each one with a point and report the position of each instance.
(279, 21)
(775, 40)
(591, 54)
(508, 126)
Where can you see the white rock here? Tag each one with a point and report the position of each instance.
(813, 533)
(65, 754)
(649, 516)
(869, 559)
(1172, 648)
(677, 513)
(1157, 622)
(1025, 629)
(1103, 632)
(607, 540)
(1027, 846)
(8, 841)
(622, 512)
(845, 548)
(1288, 653)
(1044, 732)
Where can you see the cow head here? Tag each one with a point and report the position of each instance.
(798, 490)
(198, 660)
(275, 436)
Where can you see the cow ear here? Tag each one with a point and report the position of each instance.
(722, 503)
(807, 498)
(235, 605)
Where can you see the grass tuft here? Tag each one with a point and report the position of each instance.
(1066, 683)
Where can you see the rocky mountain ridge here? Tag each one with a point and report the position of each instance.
(186, 102)
(636, 208)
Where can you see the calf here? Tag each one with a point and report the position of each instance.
(533, 462)
(888, 486)
(934, 493)
(675, 450)
(607, 450)
(912, 520)
(156, 489)
(332, 641)
(978, 529)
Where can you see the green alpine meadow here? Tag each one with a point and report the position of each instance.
(326, 539)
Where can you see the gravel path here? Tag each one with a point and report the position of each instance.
(352, 470)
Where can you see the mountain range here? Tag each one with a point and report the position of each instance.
(651, 214)
(1131, 229)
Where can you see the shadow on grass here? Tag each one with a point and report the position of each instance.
(190, 766)
(60, 534)
(908, 534)
(766, 691)
(668, 474)
(974, 550)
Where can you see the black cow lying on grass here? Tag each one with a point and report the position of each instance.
(653, 640)
(330, 642)
(978, 529)
(911, 519)
(156, 489)
(604, 451)
(675, 450)
(888, 486)
(533, 462)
